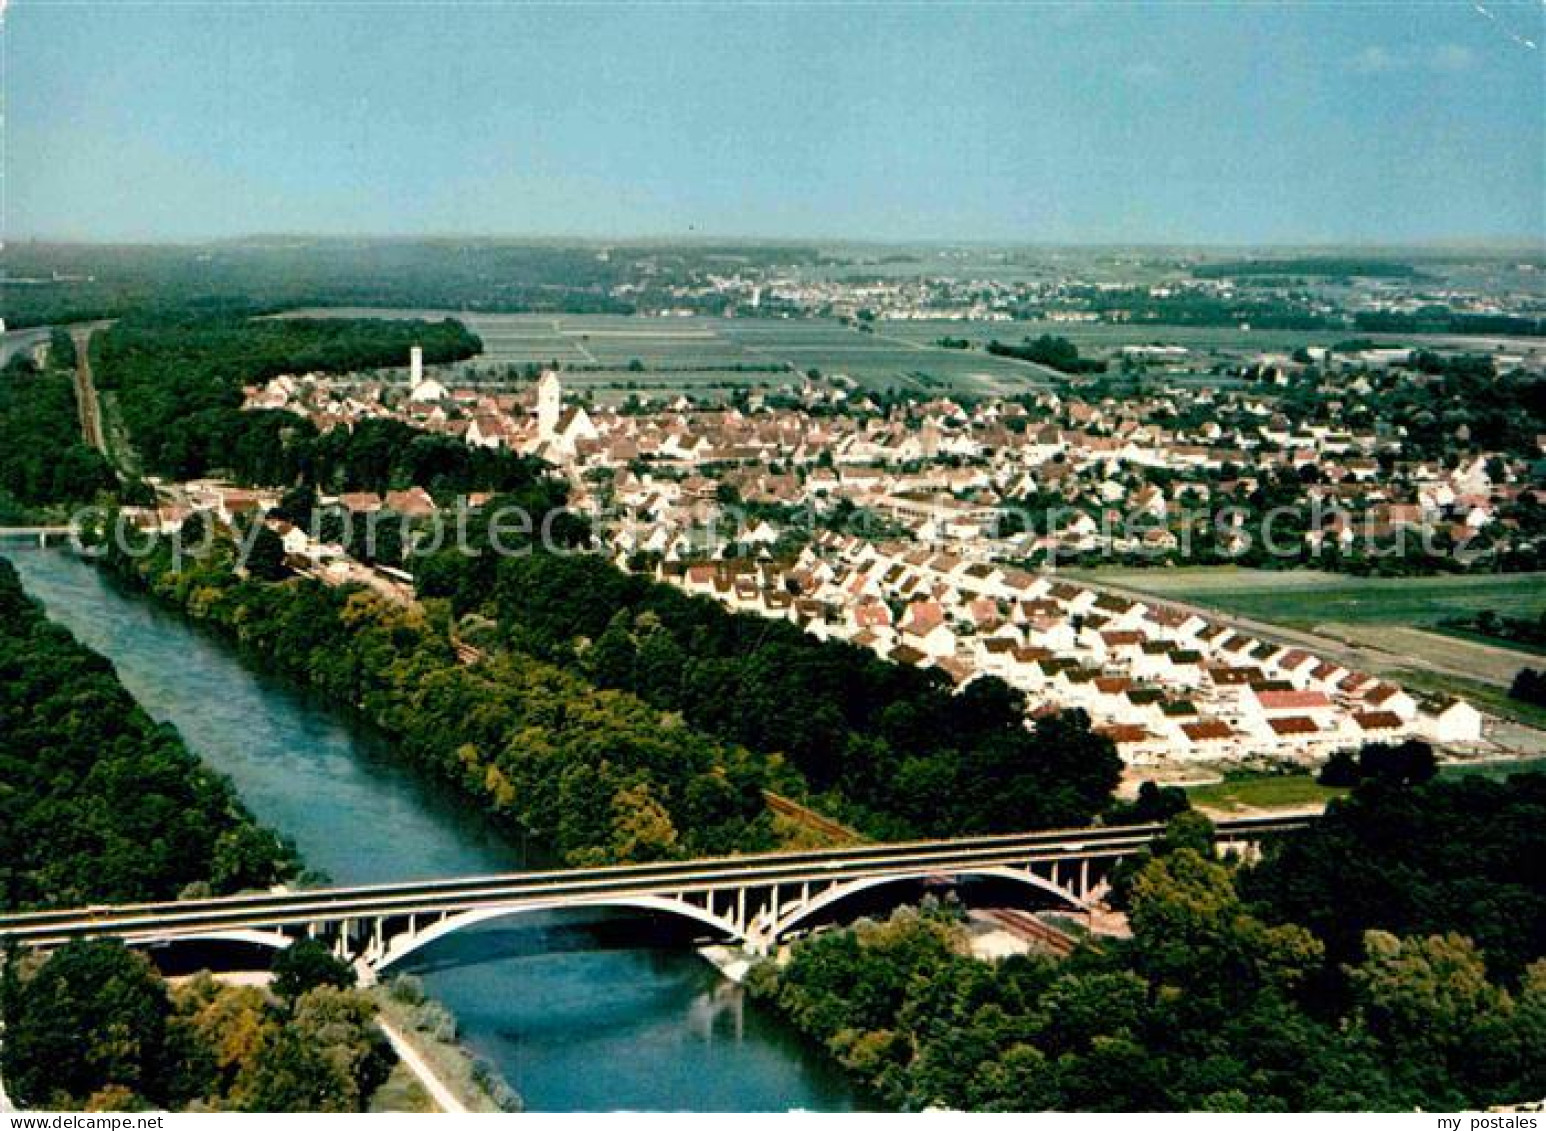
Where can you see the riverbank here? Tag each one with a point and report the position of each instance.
(424, 1035)
(432, 1073)
(546, 998)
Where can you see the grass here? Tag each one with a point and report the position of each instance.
(1485, 697)
(1263, 791)
(1300, 791)
(1491, 641)
(1497, 770)
(1461, 659)
(448, 1059)
(1306, 598)
(402, 1092)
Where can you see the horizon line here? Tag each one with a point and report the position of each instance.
(1518, 242)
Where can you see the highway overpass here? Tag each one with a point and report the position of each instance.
(756, 901)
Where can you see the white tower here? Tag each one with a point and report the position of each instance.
(550, 403)
(415, 366)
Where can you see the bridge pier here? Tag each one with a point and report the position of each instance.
(756, 902)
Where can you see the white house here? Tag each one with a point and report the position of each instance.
(1449, 721)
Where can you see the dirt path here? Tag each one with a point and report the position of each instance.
(444, 1098)
(86, 394)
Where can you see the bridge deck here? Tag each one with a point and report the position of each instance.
(580, 887)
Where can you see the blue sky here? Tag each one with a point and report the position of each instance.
(1098, 122)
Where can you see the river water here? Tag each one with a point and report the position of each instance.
(578, 1011)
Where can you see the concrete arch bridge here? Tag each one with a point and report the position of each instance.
(754, 901)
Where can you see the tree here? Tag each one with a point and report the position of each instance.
(1428, 999)
(1340, 770)
(61, 350)
(296, 506)
(641, 827)
(305, 965)
(266, 559)
(218, 1032)
(243, 859)
(1529, 686)
(1406, 763)
(1192, 928)
(92, 1018)
(329, 1058)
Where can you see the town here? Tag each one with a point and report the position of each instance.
(877, 557)
(969, 508)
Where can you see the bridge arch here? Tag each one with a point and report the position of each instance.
(273, 940)
(407, 943)
(806, 910)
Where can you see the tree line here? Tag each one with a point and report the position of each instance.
(598, 776)
(97, 800)
(179, 377)
(894, 749)
(44, 462)
(95, 1026)
(1054, 352)
(1354, 969)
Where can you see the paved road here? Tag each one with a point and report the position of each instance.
(606, 884)
(444, 1098)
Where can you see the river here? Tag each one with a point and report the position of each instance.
(580, 1012)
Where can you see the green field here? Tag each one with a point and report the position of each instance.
(1302, 791)
(1498, 770)
(1307, 598)
(600, 347)
(1266, 791)
(1204, 341)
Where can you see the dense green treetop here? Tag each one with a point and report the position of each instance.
(1214, 1004)
(179, 379)
(97, 801)
(44, 463)
(899, 750)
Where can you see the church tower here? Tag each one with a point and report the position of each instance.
(550, 403)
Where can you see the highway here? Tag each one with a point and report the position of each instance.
(918, 859)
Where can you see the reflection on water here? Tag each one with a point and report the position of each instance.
(580, 1011)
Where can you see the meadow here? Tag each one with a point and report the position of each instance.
(1241, 793)
(695, 354)
(1309, 598)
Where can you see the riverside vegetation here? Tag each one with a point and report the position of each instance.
(617, 719)
(1389, 959)
(44, 463)
(99, 802)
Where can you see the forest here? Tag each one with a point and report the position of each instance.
(893, 749)
(97, 801)
(75, 282)
(94, 1026)
(44, 463)
(1374, 984)
(597, 776)
(1057, 353)
(179, 378)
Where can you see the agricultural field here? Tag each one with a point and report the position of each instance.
(690, 355)
(1383, 625)
(700, 355)
(1308, 598)
(1208, 344)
